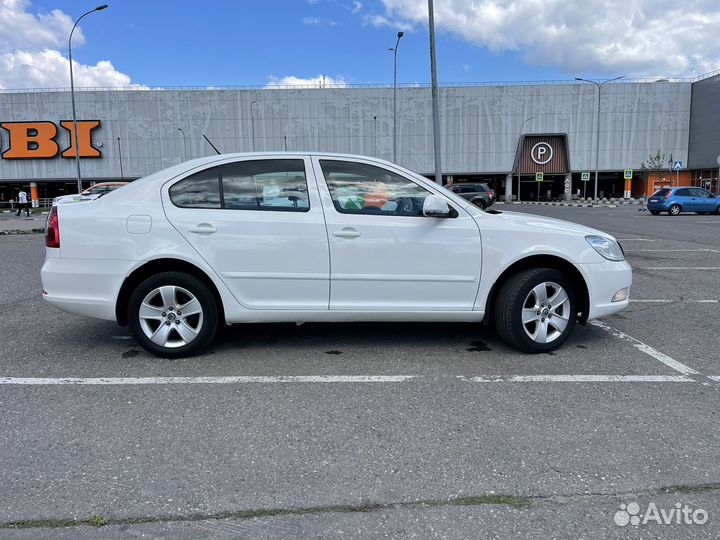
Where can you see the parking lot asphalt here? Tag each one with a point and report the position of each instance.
(369, 430)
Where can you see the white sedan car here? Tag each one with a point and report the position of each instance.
(293, 237)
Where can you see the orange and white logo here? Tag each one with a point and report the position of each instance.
(37, 140)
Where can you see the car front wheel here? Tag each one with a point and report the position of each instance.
(535, 310)
(173, 315)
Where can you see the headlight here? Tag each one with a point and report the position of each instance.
(606, 247)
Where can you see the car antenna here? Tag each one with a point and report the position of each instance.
(211, 144)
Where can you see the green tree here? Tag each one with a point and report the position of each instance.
(655, 163)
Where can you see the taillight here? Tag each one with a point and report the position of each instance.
(491, 193)
(52, 229)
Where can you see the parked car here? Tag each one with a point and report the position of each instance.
(683, 199)
(272, 237)
(479, 194)
(95, 191)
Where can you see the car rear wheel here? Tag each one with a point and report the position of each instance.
(173, 315)
(674, 210)
(655, 212)
(535, 310)
(717, 211)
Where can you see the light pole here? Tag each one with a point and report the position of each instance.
(597, 134)
(184, 144)
(252, 123)
(394, 50)
(435, 106)
(122, 176)
(519, 137)
(72, 94)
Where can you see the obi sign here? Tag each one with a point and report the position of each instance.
(37, 140)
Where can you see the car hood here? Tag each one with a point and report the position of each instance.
(551, 225)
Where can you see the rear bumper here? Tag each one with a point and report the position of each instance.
(659, 206)
(604, 280)
(84, 286)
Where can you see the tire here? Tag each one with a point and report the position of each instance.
(525, 289)
(674, 210)
(717, 211)
(655, 212)
(479, 203)
(162, 328)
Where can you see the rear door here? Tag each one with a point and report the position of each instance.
(686, 200)
(259, 224)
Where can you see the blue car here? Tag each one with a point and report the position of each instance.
(683, 199)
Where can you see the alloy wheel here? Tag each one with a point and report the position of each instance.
(546, 312)
(170, 316)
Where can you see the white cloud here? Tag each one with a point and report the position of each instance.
(321, 81)
(311, 20)
(631, 37)
(30, 54)
(357, 7)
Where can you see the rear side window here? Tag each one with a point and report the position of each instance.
(661, 193)
(200, 190)
(683, 193)
(270, 184)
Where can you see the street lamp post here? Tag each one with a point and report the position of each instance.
(519, 136)
(435, 105)
(184, 144)
(252, 123)
(72, 94)
(122, 176)
(597, 134)
(394, 50)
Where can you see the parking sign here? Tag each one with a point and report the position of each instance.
(539, 177)
(585, 176)
(627, 174)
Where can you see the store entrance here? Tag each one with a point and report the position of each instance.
(552, 188)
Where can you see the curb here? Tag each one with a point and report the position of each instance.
(573, 204)
(17, 231)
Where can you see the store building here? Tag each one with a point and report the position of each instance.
(502, 134)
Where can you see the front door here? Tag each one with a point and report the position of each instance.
(259, 224)
(385, 254)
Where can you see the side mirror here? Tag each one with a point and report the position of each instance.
(435, 206)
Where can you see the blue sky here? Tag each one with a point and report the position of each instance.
(244, 42)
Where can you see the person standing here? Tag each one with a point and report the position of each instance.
(23, 203)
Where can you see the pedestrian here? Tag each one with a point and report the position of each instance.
(578, 193)
(23, 203)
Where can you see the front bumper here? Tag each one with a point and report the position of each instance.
(604, 280)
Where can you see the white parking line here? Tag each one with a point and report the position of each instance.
(581, 378)
(647, 349)
(679, 268)
(206, 380)
(706, 250)
(714, 377)
(670, 301)
(634, 240)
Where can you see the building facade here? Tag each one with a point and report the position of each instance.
(502, 134)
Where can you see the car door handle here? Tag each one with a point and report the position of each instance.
(202, 228)
(347, 232)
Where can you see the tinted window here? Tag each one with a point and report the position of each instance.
(357, 188)
(683, 193)
(200, 190)
(697, 192)
(270, 184)
(661, 193)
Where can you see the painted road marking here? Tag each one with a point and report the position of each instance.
(206, 380)
(634, 240)
(659, 301)
(647, 349)
(706, 250)
(679, 268)
(581, 378)
(714, 377)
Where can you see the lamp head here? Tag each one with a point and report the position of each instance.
(100, 8)
(400, 34)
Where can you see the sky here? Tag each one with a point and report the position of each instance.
(163, 43)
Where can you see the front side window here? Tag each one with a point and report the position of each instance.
(358, 188)
(199, 190)
(698, 192)
(270, 184)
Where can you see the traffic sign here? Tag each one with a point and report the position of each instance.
(627, 174)
(539, 177)
(678, 165)
(585, 176)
